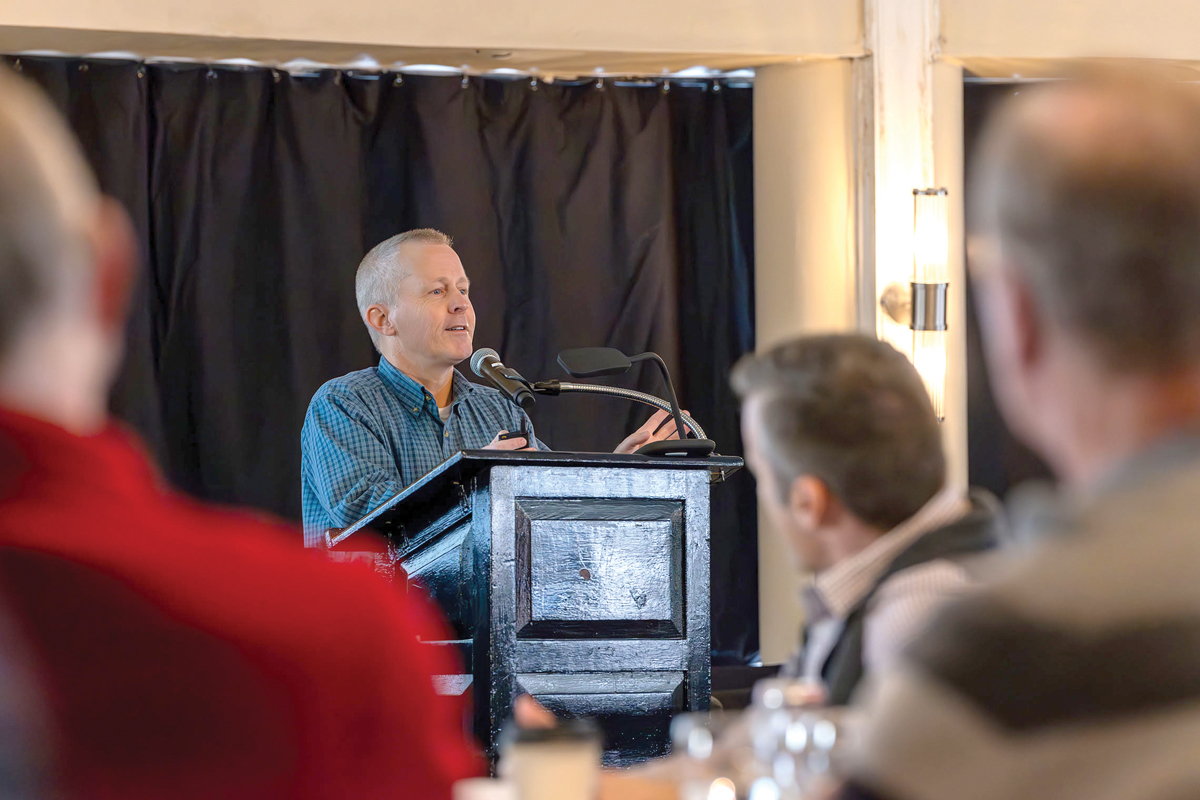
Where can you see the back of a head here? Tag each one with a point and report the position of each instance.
(852, 411)
(48, 198)
(1090, 190)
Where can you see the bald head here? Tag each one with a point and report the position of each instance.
(1090, 191)
(48, 203)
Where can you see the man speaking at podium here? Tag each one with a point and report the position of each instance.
(370, 434)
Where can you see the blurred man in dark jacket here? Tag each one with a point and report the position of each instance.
(843, 441)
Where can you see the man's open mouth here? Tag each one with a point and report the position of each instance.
(457, 328)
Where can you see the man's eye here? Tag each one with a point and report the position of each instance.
(436, 291)
(464, 292)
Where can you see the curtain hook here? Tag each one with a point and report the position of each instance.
(533, 84)
(275, 76)
(466, 81)
(399, 81)
(212, 74)
(141, 73)
(83, 67)
(600, 84)
(716, 87)
(17, 64)
(666, 87)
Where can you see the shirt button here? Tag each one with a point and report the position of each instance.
(446, 434)
(416, 409)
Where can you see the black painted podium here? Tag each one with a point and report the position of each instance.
(581, 579)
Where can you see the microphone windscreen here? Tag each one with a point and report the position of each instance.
(479, 356)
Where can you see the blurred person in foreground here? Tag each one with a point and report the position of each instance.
(847, 452)
(1076, 674)
(185, 651)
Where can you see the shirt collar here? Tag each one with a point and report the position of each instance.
(837, 590)
(461, 387)
(415, 396)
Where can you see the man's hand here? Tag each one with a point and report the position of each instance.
(517, 443)
(529, 713)
(658, 428)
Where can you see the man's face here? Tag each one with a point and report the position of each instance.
(432, 315)
(774, 499)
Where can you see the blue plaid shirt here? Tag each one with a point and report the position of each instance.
(370, 434)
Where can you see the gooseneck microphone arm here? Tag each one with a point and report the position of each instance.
(554, 388)
(674, 409)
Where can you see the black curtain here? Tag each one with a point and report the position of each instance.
(998, 461)
(612, 214)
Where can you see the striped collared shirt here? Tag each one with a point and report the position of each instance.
(903, 602)
(370, 434)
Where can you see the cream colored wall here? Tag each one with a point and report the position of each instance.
(970, 29)
(805, 259)
(1040, 29)
(749, 27)
(948, 172)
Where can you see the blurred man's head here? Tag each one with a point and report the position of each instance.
(1086, 206)
(842, 439)
(66, 257)
(413, 296)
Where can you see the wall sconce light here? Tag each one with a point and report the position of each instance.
(922, 306)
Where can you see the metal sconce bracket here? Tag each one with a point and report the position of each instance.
(921, 307)
(897, 304)
(928, 306)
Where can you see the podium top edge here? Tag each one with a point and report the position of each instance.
(473, 461)
(565, 458)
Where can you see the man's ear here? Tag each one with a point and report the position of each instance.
(1028, 331)
(1009, 311)
(379, 318)
(809, 501)
(115, 254)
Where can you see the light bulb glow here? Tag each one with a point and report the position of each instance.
(722, 789)
(929, 357)
(930, 236)
(931, 242)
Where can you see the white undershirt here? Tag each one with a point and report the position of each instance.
(444, 413)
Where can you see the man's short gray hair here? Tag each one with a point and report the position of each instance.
(48, 197)
(1090, 191)
(381, 270)
(852, 411)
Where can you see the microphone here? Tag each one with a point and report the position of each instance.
(486, 364)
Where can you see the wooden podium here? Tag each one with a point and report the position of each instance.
(581, 579)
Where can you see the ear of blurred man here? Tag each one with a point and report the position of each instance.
(115, 258)
(1013, 341)
(810, 506)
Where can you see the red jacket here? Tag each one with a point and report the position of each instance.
(188, 651)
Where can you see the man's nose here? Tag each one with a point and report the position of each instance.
(458, 303)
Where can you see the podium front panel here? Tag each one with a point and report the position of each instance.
(598, 596)
(595, 568)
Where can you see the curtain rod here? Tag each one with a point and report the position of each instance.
(303, 66)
